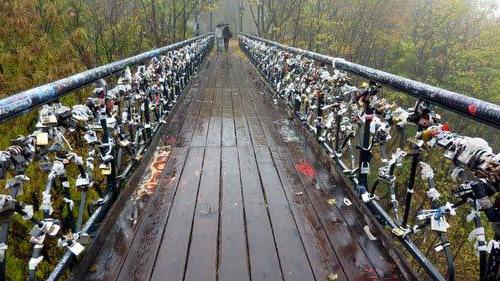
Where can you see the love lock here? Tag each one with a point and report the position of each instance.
(34, 262)
(105, 169)
(18, 181)
(81, 113)
(96, 127)
(82, 182)
(46, 203)
(439, 224)
(42, 138)
(62, 112)
(124, 143)
(45, 164)
(97, 203)
(58, 168)
(70, 241)
(426, 171)
(47, 117)
(7, 205)
(90, 137)
(107, 158)
(37, 237)
(5, 163)
(28, 212)
(47, 226)
(3, 250)
(365, 168)
(444, 139)
(441, 246)
(111, 122)
(385, 175)
(84, 238)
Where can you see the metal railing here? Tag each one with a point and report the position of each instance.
(85, 152)
(344, 118)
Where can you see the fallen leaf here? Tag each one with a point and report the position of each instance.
(331, 201)
(332, 276)
(93, 268)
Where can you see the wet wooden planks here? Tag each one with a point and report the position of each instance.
(233, 206)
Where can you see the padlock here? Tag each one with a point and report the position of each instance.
(37, 240)
(34, 262)
(107, 158)
(28, 212)
(76, 248)
(3, 250)
(124, 143)
(48, 120)
(82, 182)
(110, 122)
(365, 168)
(46, 205)
(398, 231)
(105, 169)
(42, 138)
(90, 137)
(439, 224)
(36, 231)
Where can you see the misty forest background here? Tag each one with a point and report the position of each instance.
(453, 44)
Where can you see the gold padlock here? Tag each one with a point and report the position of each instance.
(105, 169)
(42, 138)
(398, 231)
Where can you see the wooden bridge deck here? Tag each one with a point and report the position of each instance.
(242, 197)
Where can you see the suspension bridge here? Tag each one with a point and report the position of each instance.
(262, 163)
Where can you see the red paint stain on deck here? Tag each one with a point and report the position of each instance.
(156, 168)
(306, 169)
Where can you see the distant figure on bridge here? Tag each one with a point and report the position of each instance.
(226, 32)
(219, 39)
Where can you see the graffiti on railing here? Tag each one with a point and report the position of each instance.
(360, 129)
(86, 151)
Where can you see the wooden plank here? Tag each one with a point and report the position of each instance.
(262, 107)
(240, 122)
(186, 134)
(264, 261)
(294, 261)
(215, 127)
(139, 262)
(228, 131)
(233, 256)
(202, 261)
(172, 254)
(324, 260)
(356, 264)
(374, 250)
(256, 133)
(201, 128)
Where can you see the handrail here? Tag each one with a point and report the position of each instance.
(22, 102)
(103, 139)
(470, 107)
(340, 118)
